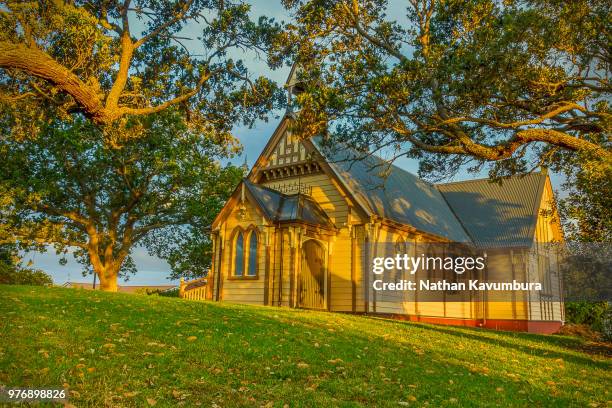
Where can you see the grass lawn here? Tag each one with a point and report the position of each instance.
(137, 350)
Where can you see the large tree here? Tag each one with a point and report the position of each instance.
(70, 189)
(513, 83)
(109, 59)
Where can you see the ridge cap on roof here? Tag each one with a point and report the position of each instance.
(377, 157)
(411, 173)
(514, 176)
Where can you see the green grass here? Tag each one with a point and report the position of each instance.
(121, 349)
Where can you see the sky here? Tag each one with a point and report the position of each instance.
(154, 271)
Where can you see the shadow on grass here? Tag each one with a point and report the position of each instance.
(436, 385)
(570, 344)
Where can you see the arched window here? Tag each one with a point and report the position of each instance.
(239, 255)
(246, 245)
(252, 257)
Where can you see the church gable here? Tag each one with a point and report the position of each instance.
(288, 150)
(291, 166)
(285, 157)
(241, 209)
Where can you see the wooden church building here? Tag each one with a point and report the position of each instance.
(300, 229)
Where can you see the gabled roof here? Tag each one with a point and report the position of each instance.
(397, 196)
(476, 211)
(279, 207)
(496, 215)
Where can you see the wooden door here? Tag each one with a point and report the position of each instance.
(312, 277)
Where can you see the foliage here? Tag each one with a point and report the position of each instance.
(587, 271)
(168, 351)
(24, 276)
(169, 293)
(64, 59)
(188, 248)
(12, 273)
(8, 256)
(589, 313)
(508, 84)
(68, 188)
(586, 212)
(173, 292)
(606, 324)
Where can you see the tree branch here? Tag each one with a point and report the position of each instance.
(167, 24)
(39, 64)
(178, 99)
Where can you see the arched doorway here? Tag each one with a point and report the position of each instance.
(311, 289)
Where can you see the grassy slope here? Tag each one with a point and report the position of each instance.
(120, 349)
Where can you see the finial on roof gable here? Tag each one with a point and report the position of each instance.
(293, 84)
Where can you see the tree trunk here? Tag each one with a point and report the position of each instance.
(109, 285)
(108, 277)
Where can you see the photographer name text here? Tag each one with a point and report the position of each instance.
(444, 285)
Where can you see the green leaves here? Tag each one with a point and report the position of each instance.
(497, 84)
(133, 58)
(103, 193)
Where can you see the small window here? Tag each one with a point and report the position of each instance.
(239, 257)
(401, 250)
(252, 267)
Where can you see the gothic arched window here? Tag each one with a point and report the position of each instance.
(239, 254)
(245, 256)
(252, 257)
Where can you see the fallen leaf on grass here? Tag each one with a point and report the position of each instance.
(302, 365)
(191, 338)
(151, 401)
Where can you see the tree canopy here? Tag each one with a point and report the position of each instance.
(110, 59)
(512, 83)
(70, 189)
(114, 116)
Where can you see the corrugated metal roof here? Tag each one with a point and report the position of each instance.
(280, 207)
(494, 214)
(398, 196)
(481, 212)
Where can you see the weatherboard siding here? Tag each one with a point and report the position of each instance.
(340, 273)
(241, 290)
